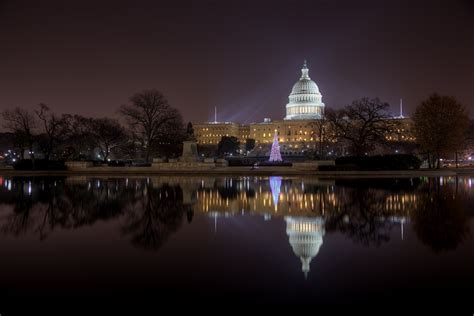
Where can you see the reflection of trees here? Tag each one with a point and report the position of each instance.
(389, 184)
(362, 216)
(155, 216)
(51, 205)
(99, 200)
(30, 210)
(18, 222)
(52, 209)
(361, 209)
(250, 193)
(190, 214)
(152, 214)
(228, 192)
(440, 220)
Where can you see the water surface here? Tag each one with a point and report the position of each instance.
(256, 239)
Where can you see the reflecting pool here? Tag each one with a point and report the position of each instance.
(262, 239)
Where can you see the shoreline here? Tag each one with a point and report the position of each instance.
(245, 171)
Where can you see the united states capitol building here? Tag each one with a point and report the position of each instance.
(295, 131)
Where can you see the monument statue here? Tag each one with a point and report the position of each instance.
(190, 153)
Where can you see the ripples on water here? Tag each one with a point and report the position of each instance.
(253, 237)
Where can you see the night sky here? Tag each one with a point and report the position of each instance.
(88, 57)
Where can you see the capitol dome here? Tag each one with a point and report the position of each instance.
(304, 86)
(305, 100)
(306, 237)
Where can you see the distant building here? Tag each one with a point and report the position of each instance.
(211, 133)
(403, 132)
(305, 100)
(295, 132)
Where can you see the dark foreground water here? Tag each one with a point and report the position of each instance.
(241, 239)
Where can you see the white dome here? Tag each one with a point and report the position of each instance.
(305, 85)
(305, 100)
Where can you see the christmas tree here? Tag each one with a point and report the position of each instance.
(275, 152)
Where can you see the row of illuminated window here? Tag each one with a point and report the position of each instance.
(288, 133)
(262, 129)
(304, 110)
(219, 129)
(283, 139)
(221, 135)
(213, 135)
(402, 137)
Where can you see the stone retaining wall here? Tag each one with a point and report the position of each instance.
(313, 165)
(180, 165)
(174, 164)
(78, 165)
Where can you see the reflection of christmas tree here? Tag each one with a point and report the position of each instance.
(275, 152)
(275, 184)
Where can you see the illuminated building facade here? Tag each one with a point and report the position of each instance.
(305, 100)
(404, 131)
(211, 133)
(293, 135)
(296, 133)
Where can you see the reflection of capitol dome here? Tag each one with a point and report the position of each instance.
(306, 237)
(305, 100)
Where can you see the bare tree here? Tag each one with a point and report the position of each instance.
(106, 134)
(22, 122)
(19, 143)
(84, 134)
(79, 143)
(53, 127)
(150, 117)
(441, 124)
(362, 124)
(469, 142)
(321, 134)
